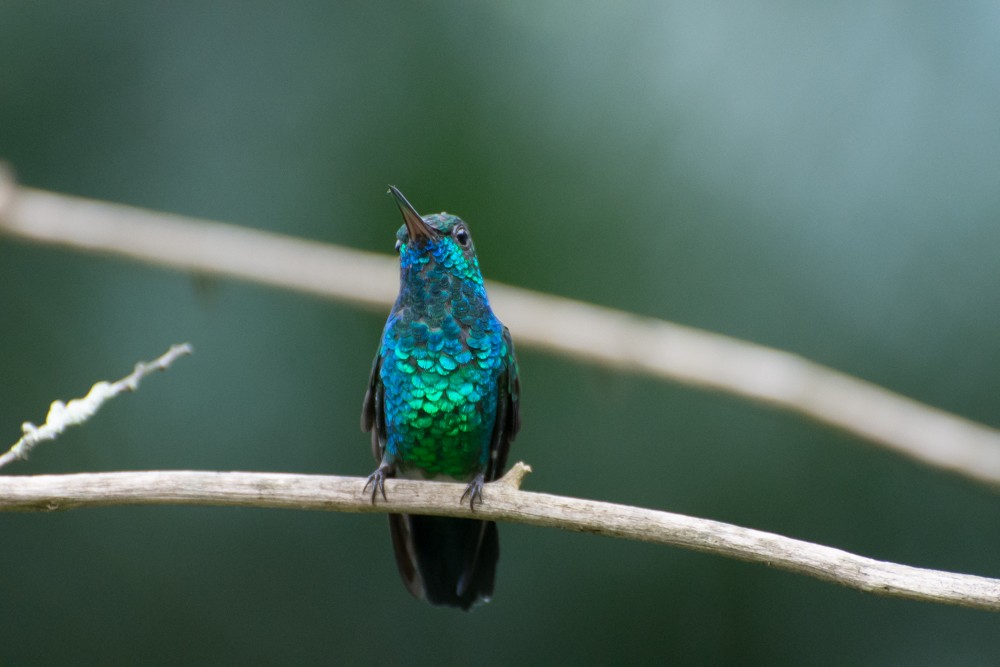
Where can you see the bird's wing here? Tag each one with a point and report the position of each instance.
(372, 410)
(508, 420)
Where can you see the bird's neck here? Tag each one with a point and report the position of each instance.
(433, 294)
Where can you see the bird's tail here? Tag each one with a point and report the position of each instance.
(446, 561)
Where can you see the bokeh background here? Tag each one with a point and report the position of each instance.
(822, 178)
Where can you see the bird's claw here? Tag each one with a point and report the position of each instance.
(376, 480)
(474, 492)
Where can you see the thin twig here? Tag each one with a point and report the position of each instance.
(502, 502)
(582, 331)
(77, 411)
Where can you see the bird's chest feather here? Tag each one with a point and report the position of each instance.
(440, 382)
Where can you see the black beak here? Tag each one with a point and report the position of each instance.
(415, 225)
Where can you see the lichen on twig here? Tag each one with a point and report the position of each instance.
(77, 411)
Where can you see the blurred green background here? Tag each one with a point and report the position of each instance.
(819, 178)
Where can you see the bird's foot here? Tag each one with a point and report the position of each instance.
(376, 480)
(474, 491)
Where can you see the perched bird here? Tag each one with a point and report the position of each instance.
(442, 403)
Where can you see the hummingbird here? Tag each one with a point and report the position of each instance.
(442, 403)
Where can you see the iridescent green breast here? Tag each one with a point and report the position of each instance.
(440, 393)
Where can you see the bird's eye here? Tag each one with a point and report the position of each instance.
(462, 236)
(399, 244)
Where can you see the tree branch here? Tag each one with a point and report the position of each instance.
(570, 328)
(503, 501)
(77, 411)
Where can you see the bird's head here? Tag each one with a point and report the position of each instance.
(439, 242)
